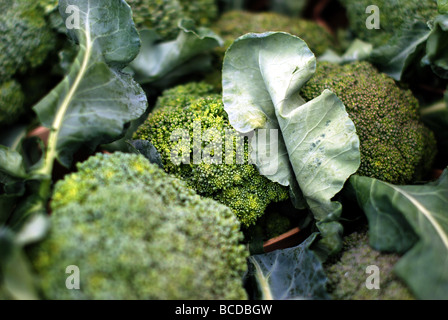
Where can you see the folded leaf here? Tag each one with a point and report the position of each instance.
(96, 99)
(412, 219)
(317, 144)
(293, 273)
(160, 59)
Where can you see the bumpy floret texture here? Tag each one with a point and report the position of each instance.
(395, 145)
(209, 154)
(234, 24)
(25, 37)
(164, 15)
(394, 16)
(135, 232)
(347, 272)
(11, 102)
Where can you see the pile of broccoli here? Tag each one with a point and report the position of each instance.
(239, 186)
(135, 232)
(395, 16)
(163, 15)
(396, 146)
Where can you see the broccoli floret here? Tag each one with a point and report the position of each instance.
(164, 15)
(347, 273)
(395, 15)
(234, 24)
(237, 184)
(25, 37)
(11, 102)
(135, 232)
(395, 145)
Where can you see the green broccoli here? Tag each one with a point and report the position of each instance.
(164, 15)
(11, 102)
(237, 185)
(234, 24)
(395, 15)
(395, 145)
(347, 273)
(135, 232)
(25, 37)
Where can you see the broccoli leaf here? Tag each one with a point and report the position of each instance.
(292, 273)
(396, 215)
(437, 47)
(317, 144)
(401, 50)
(157, 61)
(96, 99)
(357, 51)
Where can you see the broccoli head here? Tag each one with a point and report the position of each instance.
(135, 232)
(11, 102)
(236, 183)
(234, 24)
(26, 39)
(394, 15)
(347, 273)
(395, 145)
(163, 15)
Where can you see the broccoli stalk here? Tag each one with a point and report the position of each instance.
(135, 232)
(237, 184)
(395, 147)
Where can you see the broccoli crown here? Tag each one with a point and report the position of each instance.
(164, 15)
(235, 183)
(25, 37)
(11, 102)
(234, 24)
(135, 232)
(395, 15)
(395, 145)
(347, 272)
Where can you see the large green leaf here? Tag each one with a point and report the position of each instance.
(317, 142)
(292, 273)
(412, 219)
(158, 60)
(96, 99)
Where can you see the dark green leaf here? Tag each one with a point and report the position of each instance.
(146, 149)
(157, 60)
(293, 273)
(437, 47)
(401, 50)
(415, 217)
